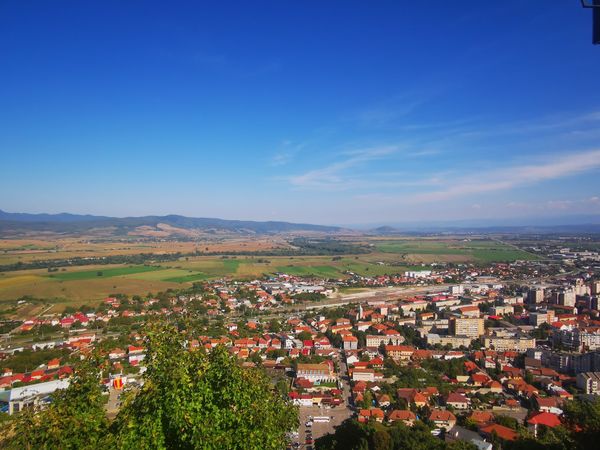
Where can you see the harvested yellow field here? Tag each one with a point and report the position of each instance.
(29, 250)
(79, 290)
(20, 280)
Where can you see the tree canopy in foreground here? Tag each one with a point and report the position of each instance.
(190, 400)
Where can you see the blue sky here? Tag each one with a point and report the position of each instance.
(334, 112)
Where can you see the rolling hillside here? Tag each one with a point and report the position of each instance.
(20, 223)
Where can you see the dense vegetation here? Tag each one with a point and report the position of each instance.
(190, 400)
(28, 360)
(352, 435)
(581, 431)
(328, 247)
(432, 372)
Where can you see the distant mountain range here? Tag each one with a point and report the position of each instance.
(66, 223)
(583, 228)
(16, 224)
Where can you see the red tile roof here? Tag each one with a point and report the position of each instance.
(440, 414)
(501, 431)
(544, 418)
(482, 417)
(401, 414)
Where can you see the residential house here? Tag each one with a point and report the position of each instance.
(365, 415)
(442, 418)
(412, 396)
(402, 415)
(350, 342)
(542, 419)
(399, 352)
(458, 401)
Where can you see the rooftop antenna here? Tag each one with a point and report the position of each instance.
(595, 6)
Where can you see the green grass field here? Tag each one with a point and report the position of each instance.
(190, 278)
(476, 250)
(101, 273)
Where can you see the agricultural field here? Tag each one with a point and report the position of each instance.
(28, 250)
(453, 250)
(91, 283)
(100, 273)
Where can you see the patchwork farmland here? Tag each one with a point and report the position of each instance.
(90, 283)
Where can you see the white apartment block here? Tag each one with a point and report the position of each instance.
(375, 340)
(589, 382)
(519, 344)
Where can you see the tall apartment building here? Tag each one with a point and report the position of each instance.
(539, 317)
(569, 362)
(535, 296)
(581, 289)
(586, 362)
(567, 298)
(574, 338)
(501, 310)
(457, 290)
(472, 327)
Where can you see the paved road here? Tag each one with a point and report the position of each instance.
(337, 415)
(372, 294)
(345, 380)
(112, 407)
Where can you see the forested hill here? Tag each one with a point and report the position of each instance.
(73, 223)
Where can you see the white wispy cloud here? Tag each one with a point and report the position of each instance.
(391, 110)
(514, 176)
(287, 152)
(351, 171)
(545, 125)
(333, 175)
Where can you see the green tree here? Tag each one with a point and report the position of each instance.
(255, 358)
(190, 400)
(557, 438)
(374, 436)
(74, 420)
(583, 418)
(381, 440)
(507, 421)
(197, 400)
(304, 336)
(368, 399)
(274, 326)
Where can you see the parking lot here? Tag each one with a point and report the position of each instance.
(337, 414)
